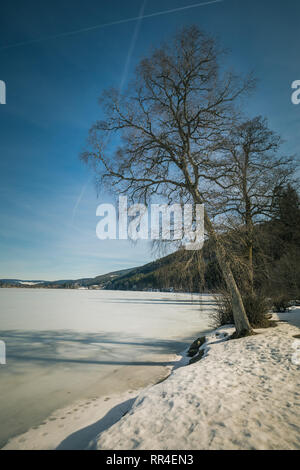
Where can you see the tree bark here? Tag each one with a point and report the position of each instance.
(241, 321)
(249, 234)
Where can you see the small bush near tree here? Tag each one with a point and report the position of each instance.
(281, 303)
(257, 310)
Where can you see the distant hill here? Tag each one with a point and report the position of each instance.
(179, 271)
(99, 281)
(17, 282)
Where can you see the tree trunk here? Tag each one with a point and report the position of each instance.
(241, 321)
(249, 238)
(250, 262)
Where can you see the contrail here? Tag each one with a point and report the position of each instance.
(124, 76)
(104, 25)
(132, 44)
(83, 189)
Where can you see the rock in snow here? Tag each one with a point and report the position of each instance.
(194, 348)
(243, 394)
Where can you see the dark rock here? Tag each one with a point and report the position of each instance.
(197, 358)
(196, 346)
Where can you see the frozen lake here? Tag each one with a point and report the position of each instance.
(65, 345)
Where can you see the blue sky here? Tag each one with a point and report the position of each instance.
(48, 198)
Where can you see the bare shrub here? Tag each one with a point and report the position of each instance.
(257, 310)
(281, 303)
(222, 313)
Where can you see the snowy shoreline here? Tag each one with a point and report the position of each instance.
(74, 427)
(243, 394)
(79, 346)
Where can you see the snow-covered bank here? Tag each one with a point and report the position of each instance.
(73, 355)
(73, 427)
(64, 346)
(243, 394)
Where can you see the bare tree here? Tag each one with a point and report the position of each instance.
(166, 131)
(252, 172)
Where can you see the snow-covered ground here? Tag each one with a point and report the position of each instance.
(30, 283)
(243, 394)
(84, 352)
